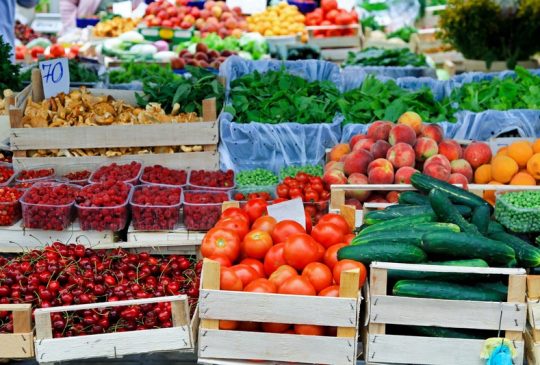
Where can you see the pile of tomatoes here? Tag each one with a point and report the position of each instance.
(329, 14)
(259, 254)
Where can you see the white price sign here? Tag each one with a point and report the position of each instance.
(347, 5)
(55, 76)
(248, 6)
(289, 210)
(123, 8)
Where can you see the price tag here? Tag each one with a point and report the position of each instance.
(123, 8)
(347, 5)
(248, 6)
(55, 76)
(289, 210)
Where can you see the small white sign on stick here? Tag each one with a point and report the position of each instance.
(347, 5)
(289, 210)
(55, 76)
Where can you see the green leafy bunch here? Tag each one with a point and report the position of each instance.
(131, 71)
(9, 72)
(374, 56)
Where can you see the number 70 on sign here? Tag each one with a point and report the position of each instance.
(55, 76)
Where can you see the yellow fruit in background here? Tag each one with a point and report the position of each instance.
(533, 166)
(520, 152)
(503, 151)
(523, 178)
(482, 175)
(489, 195)
(536, 146)
(503, 168)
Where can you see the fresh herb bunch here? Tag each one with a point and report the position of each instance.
(132, 71)
(486, 30)
(9, 72)
(378, 100)
(189, 92)
(374, 56)
(404, 33)
(77, 73)
(277, 97)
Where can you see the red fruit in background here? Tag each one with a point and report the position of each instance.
(319, 275)
(237, 225)
(255, 208)
(297, 285)
(379, 130)
(282, 274)
(274, 258)
(357, 162)
(403, 175)
(345, 265)
(245, 273)
(402, 133)
(224, 260)
(221, 241)
(458, 179)
(331, 291)
(356, 138)
(450, 149)
(265, 223)
(379, 149)
(261, 285)
(256, 264)
(328, 5)
(256, 244)
(364, 144)
(330, 256)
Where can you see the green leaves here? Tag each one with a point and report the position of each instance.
(374, 56)
(9, 72)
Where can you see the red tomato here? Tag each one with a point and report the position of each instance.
(331, 291)
(245, 273)
(235, 213)
(282, 191)
(319, 275)
(297, 285)
(349, 237)
(330, 256)
(222, 259)
(265, 223)
(228, 325)
(320, 251)
(229, 280)
(345, 265)
(36, 51)
(255, 208)
(286, 228)
(221, 241)
(311, 196)
(282, 274)
(256, 244)
(309, 224)
(237, 225)
(56, 50)
(327, 234)
(279, 200)
(295, 192)
(300, 250)
(256, 264)
(337, 220)
(344, 18)
(331, 15)
(302, 177)
(274, 258)
(308, 330)
(328, 5)
(275, 327)
(261, 285)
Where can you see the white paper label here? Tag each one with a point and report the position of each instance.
(248, 6)
(347, 5)
(123, 8)
(55, 76)
(289, 210)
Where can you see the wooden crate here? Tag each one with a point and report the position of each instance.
(509, 316)
(20, 343)
(180, 337)
(221, 347)
(532, 335)
(352, 41)
(431, 17)
(204, 133)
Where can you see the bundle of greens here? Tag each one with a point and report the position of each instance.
(132, 71)
(374, 56)
(404, 33)
(278, 97)
(188, 92)
(9, 72)
(78, 72)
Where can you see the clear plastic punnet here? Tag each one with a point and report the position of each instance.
(156, 207)
(202, 208)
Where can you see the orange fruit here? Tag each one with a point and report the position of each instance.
(482, 175)
(520, 151)
(503, 168)
(523, 178)
(503, 151)
(489, 195)
(533, 166)
(536, 146)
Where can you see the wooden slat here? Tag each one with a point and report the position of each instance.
(337, 199)
(428, 350)
(180, 313)
(276, 347)
(112, 345)
(210, 281)
(517, 288)
(262, 307)
(16, 345)
(37, 85)
(377, 286)
(447, 313)
(532, 348)
(349, 213)
(43, 325)
(406, 187)
(449, 269)
(15, 307)
(209, 110)
(22, 321)
(348, 288)
(533, 286)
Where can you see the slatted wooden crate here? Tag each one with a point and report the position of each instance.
(352, 41)
(20, 343)
(431, 17)
(384, 308)
(180, 337)
(532, 335)
(203, 133)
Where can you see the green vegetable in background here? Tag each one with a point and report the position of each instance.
(9, 73)
(374, 56)
(138, 71)
(277, 97)
(77, 73)
(315, 170)
(519, 211)
(257, 177)
(404, 33)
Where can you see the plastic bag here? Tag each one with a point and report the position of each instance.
(469, 77)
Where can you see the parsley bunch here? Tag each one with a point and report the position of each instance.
(10, 72)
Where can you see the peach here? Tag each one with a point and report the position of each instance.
(380, 162)
(462, 167)
(433, 131)
(411, 119)
(403, 175)
(377, 199)
(381, 175)
(333, 165)
(477, 153)
(355, 139)
(354, 202)
(338, 151)
(392, 197)
(380, 148)
(363, 144)
(379, 130)
(401, 155)
(458, 179)
(361, 195)
(425, 148)
(451, 149)
(334, 177)
(438, 160)
(437, 171)
(402, 133)
(357, 161)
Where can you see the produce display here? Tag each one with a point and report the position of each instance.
(156, 207)
(6, 173)
(218, 180)
(519, 211)
(114, 27)
(158, 174)
(201, 58)
(128, 173)
(25, 34)
(373, 56)
(257, 177)
(202, 208)
(278, 20)
(249, 45)
(330, 15)
(315, 170)
(133, 71)
(35, 174)
(404, 33)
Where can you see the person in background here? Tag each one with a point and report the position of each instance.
(7, 19)
(70, 10)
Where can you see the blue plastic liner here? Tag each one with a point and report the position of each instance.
(394, 72)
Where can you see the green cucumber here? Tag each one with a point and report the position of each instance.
(495, 286)
(481, 217)
(398, 211)
(411, 226)
(445, 290)
(389, 252)
(495, 226)
(445, 332)
(527, 255)
(457, 195)
(422, 275)
(467, 246)
(410, 235)
(412, 198)
(392, 224)
(445, 211)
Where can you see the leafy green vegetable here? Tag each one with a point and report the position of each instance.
(138, 71)
(404, 33)
(315, 170)
(170, 89)
(374, 56)
(277, 97)
(9, 72)
(371, 23)
(77, 73)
